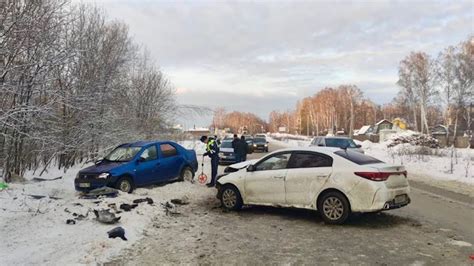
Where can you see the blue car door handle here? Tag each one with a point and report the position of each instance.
(157, 164)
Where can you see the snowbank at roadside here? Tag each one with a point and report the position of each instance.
(198, 146)
(290, 143)
(426, 163)
(288, 136)
(34, 231)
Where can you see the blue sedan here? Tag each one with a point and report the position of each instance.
(139, 164)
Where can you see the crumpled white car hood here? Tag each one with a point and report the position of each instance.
(243, 164)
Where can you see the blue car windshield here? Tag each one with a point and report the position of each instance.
(340, 143)
(122, 154)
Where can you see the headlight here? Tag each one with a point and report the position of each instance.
(255, 145)
(104, 175)
(221, 154)
(266, 145)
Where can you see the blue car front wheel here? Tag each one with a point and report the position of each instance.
(125, 184)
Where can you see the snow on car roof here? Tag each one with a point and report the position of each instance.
(325, 150)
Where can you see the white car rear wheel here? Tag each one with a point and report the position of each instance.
(334, 208)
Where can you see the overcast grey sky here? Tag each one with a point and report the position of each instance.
(265, 55)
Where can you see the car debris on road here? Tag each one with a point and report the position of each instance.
(148, 200)
(102, 191)
(128, 207)
(106, 217)
(182, 201)
(117, 232)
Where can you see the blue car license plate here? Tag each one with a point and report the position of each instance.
(84, 184)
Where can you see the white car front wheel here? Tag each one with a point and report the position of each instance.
(230, 198)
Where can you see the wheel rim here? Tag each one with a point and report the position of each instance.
(333, 208)
(125, 186)
(229, 198)
(187, 175)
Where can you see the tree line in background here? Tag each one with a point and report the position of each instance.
(238, 122)
(70, 80)
(432, 91)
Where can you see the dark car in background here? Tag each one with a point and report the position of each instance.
(137, 164)
(226, 154)
(338, 142)
(249, 140)
(260, 144)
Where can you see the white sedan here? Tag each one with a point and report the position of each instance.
(334, 181)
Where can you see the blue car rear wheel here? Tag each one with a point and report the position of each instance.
(187, 174)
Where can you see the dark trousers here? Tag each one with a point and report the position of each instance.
(214, 166)
(238, 158)
(243, 157)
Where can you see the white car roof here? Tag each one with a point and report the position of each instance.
(325, 150)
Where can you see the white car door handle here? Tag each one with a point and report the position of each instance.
(321, 176)
(279, 177)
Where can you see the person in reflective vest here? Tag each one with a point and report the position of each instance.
(212, 150)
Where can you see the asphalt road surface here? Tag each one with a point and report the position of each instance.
(435, 229)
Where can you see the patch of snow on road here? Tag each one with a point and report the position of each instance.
(459, 243)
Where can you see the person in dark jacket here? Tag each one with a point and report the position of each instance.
(244, 149)
(212, 150)
(237, 149)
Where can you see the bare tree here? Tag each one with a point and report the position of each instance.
(72, 84)
(416, 75)
(446, 73)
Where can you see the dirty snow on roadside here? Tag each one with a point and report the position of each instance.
(34, 231)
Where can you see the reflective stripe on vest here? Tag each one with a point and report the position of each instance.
(209, 145)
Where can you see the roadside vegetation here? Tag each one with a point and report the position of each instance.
(70, 80)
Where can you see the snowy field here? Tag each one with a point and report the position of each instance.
(35, 232)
